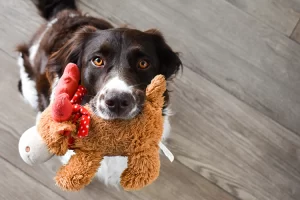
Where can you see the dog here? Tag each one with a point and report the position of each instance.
(116, 65)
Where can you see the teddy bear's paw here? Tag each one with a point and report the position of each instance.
(132, 180)
(71, 183)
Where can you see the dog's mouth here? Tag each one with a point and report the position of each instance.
(111, 109)
(114, 104)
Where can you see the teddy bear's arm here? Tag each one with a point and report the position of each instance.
(79, 171)
(54, 133)
(143, 169)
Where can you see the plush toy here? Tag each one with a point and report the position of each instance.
(32, 148)
(65, 90)
(92, 138)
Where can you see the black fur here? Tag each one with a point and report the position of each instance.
(49, 8)
(20, 87)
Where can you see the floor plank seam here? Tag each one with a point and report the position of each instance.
(6, 53)
(295, 28)
(109, 19)
(31, 177)
(194, 172)
(253, 16)
(206, 77)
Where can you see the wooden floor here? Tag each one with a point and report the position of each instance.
(236, 132)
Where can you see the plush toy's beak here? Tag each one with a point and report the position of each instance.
(32, 148)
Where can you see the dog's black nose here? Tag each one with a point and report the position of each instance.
(119, 102)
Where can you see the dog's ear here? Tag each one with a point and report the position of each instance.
(71, 52)
(170, 62)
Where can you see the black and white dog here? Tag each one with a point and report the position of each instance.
(116, 65)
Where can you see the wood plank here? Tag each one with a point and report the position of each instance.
(279, 14)
(18, 30)
(231, 144)
(16, 185)
(234, 50)
(19, 20)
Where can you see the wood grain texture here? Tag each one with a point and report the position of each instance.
(237, 52)
(16, 185)
(224, 149)
(281, 15)
(231, 144)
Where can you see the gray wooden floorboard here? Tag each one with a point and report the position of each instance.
(281, 15)
(16, 185)
(231, 144)
(224, 148)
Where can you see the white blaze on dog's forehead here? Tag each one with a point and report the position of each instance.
(117, 84)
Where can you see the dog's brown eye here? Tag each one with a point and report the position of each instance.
(143, 64)
(98, 62)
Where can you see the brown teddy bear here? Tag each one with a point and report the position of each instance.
(137, 138)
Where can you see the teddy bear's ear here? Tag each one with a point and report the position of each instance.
(155, 91)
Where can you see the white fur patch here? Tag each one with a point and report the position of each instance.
(53, 87)
(28, 86)
(33, 50)
(38, 117)
(72, 15)
(111, 169)
(116, 84)
(53, 21)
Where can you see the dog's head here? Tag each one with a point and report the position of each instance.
(116, 66)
